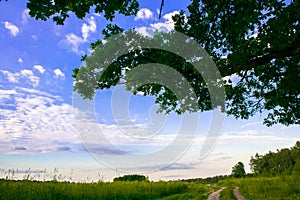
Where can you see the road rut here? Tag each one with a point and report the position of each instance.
(215, 195)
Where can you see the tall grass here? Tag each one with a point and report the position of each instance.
(267, 188)
(227, 193)
(254, 188)
(10, 189)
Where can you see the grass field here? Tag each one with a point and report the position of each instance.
(261, 188)
(115, 190)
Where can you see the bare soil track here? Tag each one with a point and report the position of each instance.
(237, 194)
(216, 195)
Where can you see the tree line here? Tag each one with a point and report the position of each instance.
(283, 162)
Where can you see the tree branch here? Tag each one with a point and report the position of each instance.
(160, 10)
(258, 61)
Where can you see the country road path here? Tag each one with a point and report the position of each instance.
(237, 194)
(215, 195)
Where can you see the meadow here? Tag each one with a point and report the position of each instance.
(253, 188)
(264, 188)
(25, 189)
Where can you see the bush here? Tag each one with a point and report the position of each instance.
(134, 177)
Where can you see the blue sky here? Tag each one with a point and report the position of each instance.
(37, 125)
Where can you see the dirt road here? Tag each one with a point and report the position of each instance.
(215, 195)
(238, 195)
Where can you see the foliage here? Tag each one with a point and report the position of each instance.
(238, 170)
(59, 10)
(282, 162)
(257, 41)
(296, 170)
(133, 177)
(208, 180)
(106, 58)
(255, 45)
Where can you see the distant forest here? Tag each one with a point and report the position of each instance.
(283, 162)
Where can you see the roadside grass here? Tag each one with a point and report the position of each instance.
(196, 191)
(254, 188)
(227, 193)
(10, 189)
(264, 188)
(286, 187)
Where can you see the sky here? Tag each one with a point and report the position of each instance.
(41, 129)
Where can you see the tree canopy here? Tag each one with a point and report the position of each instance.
(59, 10)
(283, 162)
(238, 170)
(259, 42)
(133, 177)
(255, 45)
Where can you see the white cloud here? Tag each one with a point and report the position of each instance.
(90, 27)
(25, 16)
(14, 30)
(11, 77)
(252, 124)
(40, 68)
(25, 74)
(58, 73)
(146, 31)
(250, 132)
(252, 138)
(36, 122)
(29, 75)
(233, 78)
(73, 41)
(143, 14)
(20, 60)
(34, 37)
(166, 26)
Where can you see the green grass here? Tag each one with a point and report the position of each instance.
(227, 193)
(274, 188)
(271, 188)
(264, 188)
(109, 191)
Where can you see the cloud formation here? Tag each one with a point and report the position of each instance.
(40, 68)
(25, 16)
(20, 60)
(166, 26)
(58, 73)
(87, 28)
(33, 121)
(72, 41)
(13, 30)
(144, 14)
(24, 75)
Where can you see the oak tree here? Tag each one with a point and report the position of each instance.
(255, 45)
